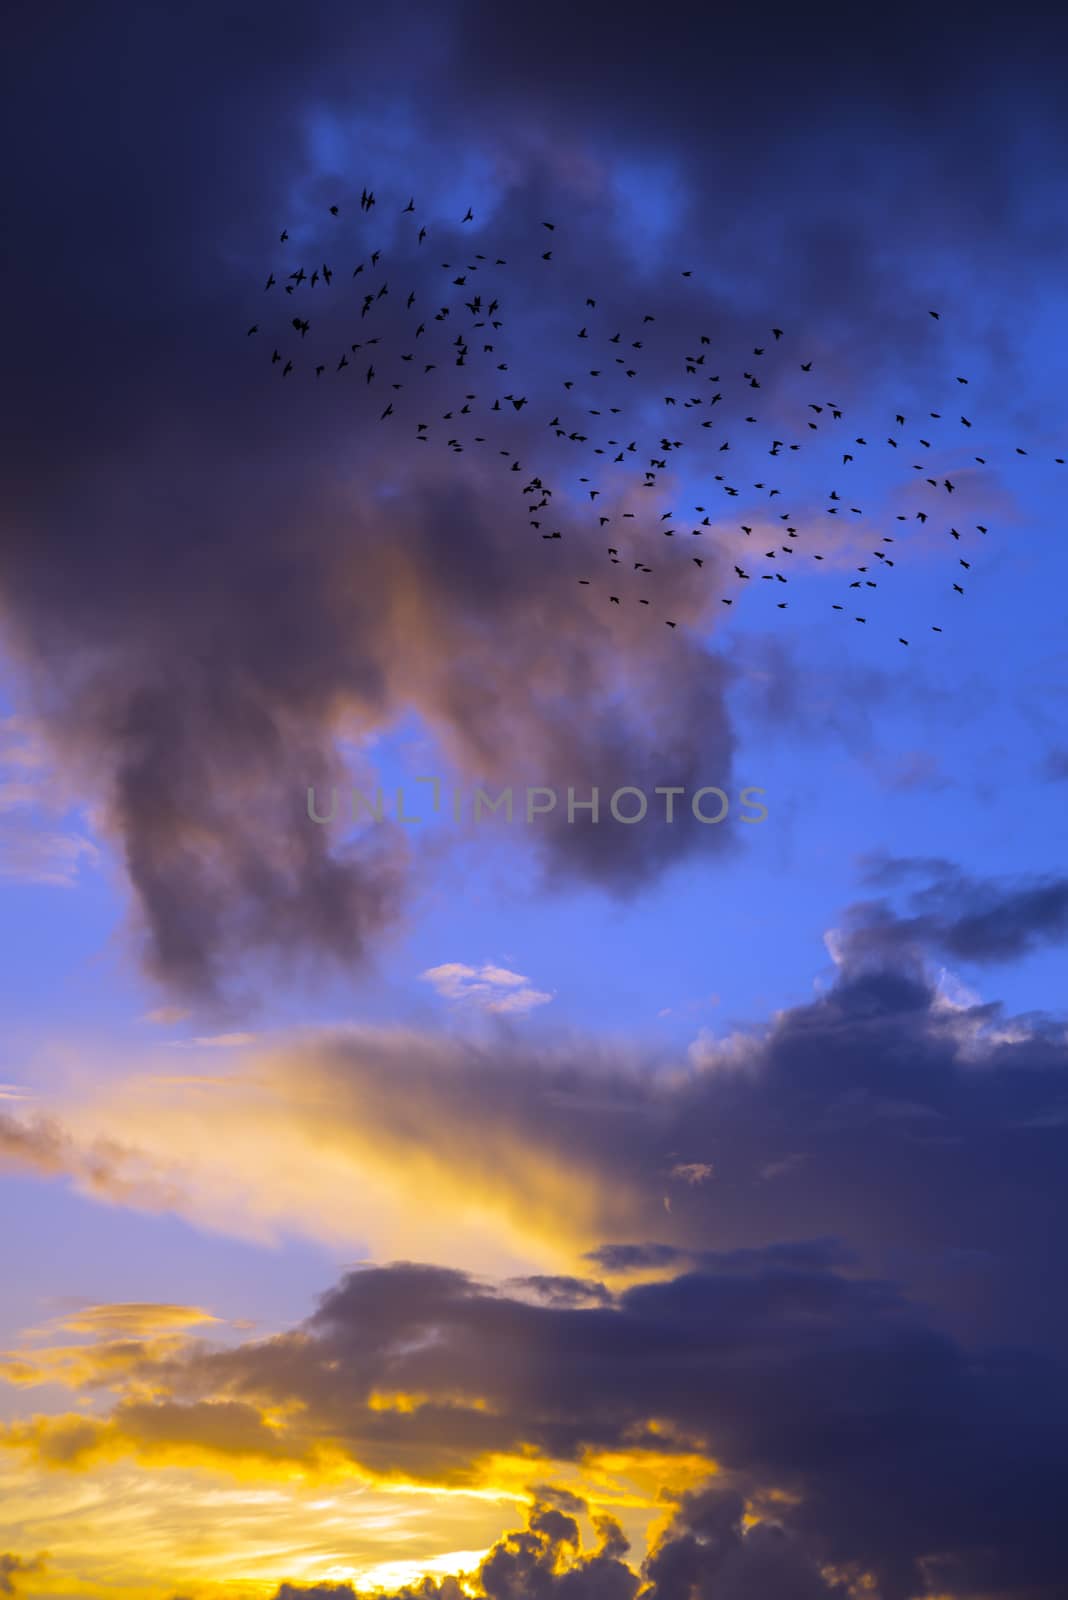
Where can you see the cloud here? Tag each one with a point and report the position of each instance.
(100, 1166)
(981, 920)
(693, 1172)
(198, 697)
(870, 1359)
(123, 1338)
(805, 1386)
(30, 854)
(166, 1016)
(489, 988)
(13, 1567)
(32, 849)
(134, 1319)
(708, 1550)
(216, 1041)
(904, 1106)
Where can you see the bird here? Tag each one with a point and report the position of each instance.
(567, 432)
(283, 236)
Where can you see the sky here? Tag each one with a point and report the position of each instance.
(548, 1208)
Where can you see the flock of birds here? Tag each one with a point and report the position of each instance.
(605, 368)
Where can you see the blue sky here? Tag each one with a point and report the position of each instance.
(378, 1194)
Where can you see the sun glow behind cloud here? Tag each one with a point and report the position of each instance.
(111, 1531)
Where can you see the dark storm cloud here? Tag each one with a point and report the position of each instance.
(926, 1134)
(874, 1360)
(707, 1552)
(562, 1291)
(973, 919)
(542, 1561)
(198, 578)
(910, 1126)
(890, 1446)
(814, 1253)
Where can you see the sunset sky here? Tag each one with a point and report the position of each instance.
(547, 1210)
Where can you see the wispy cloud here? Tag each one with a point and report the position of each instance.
(30, 854)
(489, 988)
(214, 1041)
(693, 1172)
(32, 848)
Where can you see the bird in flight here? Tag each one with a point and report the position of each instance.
(590, 451)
